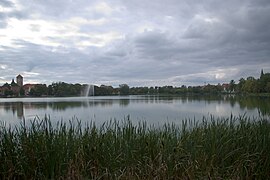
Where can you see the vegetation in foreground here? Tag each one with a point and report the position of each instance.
(232, 148)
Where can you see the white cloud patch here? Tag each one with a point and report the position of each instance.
(3, 66)
(51, 33)
(83, 21)
(103, 8)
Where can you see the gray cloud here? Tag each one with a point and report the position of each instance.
(3, 22)
(136, 42)
(6, 3)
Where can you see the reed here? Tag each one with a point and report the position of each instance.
(216, 148)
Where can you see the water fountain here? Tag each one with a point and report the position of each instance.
(90, 90)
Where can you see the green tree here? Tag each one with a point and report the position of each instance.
(50, 90)
(267, 87)
(39, 90)
(151, 90)
(240, 85)
(65, 89)
(22, 92)
(263, 81)
(103, 90)
(8, 92)
(124, 89)
(251, 85)
(232, 86)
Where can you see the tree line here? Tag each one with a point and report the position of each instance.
(62, 89)
(244, 86)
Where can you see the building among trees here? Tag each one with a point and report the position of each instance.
(16, 89)
(19, 79)
(62, 89)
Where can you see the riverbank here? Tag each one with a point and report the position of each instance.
(230, 148)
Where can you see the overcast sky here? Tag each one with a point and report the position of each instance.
(138, 42)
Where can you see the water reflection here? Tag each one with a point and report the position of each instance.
(261, 103)
(15, 108)
(137, 105)
(124, 102)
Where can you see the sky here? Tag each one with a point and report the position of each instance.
(137, 42)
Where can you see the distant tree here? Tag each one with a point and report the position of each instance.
(212, 89)
(240, 85)
(22, 92)
(124, 89)
(13, 83)
(251, 85)
(263, 81)
(151, 90)
(180, 90)
(8, 92)
(267, 87)
(232, 86)
(39, 90)
(219, 88)
(139, 90)
(50, 90)
(65, 89)
(251, 78)
(103, 90)
(194, 89)
(6, 85)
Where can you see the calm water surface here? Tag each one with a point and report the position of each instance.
(153, 109)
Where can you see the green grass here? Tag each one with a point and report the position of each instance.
(232, 148)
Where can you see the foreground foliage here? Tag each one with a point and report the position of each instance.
(233, 148)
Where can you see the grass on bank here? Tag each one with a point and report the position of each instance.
(232, 148)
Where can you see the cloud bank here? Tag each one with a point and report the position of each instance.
(140, 43)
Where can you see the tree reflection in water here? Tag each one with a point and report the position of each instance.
(262, 104)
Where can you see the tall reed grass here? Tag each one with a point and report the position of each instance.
(217, 148)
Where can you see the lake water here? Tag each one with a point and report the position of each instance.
(152, 109)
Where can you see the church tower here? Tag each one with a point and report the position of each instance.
(262, 74)
(19, 79)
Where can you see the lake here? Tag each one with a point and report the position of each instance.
(152, 109)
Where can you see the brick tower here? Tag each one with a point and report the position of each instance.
(19, 79)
